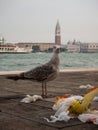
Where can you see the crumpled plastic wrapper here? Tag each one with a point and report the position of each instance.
(61, 108)
(96, 99)
(63, 116)
(89, 117)
(33, 98)
(88, 86)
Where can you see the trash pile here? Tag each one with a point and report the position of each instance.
(68, 107)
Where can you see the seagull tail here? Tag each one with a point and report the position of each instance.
(16, 77)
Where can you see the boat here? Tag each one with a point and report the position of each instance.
(12, 48)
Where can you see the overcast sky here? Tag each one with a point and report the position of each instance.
(35, 20)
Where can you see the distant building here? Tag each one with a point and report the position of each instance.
(2, 40)
(89, 47)
(57, 34)
(82, 47)
(92, 47)
(42, 46)
(73, 46)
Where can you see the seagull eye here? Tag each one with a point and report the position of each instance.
(54, 47)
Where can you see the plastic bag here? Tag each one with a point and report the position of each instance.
(89, 117)
(33, 98)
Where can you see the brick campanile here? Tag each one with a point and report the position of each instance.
(57, 34)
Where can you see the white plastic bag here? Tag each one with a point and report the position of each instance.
(33, 98)
(89, 117)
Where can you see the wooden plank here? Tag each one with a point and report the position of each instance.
(11, 122)
(8, 97)
(85, 126)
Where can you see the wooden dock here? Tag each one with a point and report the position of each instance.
(15, 115)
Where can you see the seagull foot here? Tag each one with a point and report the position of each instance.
(44, 96)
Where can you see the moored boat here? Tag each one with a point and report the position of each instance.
(11, 48)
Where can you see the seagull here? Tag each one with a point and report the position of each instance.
(43, 73)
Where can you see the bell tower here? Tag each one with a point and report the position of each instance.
(57, 34)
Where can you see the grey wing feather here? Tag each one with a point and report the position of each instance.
(40, 73)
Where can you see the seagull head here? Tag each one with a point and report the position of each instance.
(56, 49)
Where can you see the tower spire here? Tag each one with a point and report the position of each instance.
(57, 34)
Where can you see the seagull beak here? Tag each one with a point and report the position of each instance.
(57, 49)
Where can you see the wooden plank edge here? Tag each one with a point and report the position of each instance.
(3, 73)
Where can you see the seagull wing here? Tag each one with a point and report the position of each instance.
(40, 73)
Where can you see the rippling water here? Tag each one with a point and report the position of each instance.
(10, 62)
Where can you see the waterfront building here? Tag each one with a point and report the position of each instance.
(73, 46)
(89, 47)
(82, 47)
(57, 34)
(42, 46)
(92, 47)
(2, 40)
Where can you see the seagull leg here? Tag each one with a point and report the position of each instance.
(42, 89)
(45, 89)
